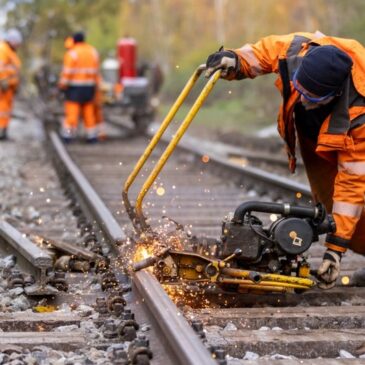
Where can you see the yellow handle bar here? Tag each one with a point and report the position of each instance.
(137, 217)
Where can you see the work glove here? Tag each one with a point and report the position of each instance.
(4, 85)
(225, 60)
(329, 269)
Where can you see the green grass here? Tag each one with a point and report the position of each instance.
(227, 111)
(245, 106)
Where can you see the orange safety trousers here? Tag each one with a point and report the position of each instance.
(73, 110)
(6, 103)
(322, 175)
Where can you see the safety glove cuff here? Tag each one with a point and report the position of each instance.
(225, 60)
(332, 255)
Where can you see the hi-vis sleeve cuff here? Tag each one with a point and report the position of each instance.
(336, 243)
(247, 53)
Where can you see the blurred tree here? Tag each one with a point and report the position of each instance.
(179, 34)
(45, 24)
(170, 32)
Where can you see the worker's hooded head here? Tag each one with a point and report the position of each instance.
(13, 37)
(324, 70)
(79, 37)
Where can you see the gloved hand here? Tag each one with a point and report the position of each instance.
(329, 269)
(4, 85)
(223, 59)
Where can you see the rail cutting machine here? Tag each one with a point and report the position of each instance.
(248, 256)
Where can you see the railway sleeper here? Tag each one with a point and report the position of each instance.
(287, 318)
(295, 342)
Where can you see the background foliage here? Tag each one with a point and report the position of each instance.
(179, 35)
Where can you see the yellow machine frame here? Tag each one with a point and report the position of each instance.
(225, 274)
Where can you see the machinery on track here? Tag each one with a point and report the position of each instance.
(249, 256)
(126, 89)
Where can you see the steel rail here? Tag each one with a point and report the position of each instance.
(185, 344)
(277, 186)
(90, 198)
(180, 335)
(246, 175)
(34, 259)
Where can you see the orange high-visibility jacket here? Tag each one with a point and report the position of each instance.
(341, 139)
(9, 65)
(80, 66)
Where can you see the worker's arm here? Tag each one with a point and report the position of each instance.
(262, 57)
(4, 61)
(9, 70)
(252, 60)
(4, 79)
(67, 70)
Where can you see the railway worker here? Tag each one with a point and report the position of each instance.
(321, 80)
(79, 78)
(98, 103)
(9, 76)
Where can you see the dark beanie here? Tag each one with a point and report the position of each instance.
(324, 69)
(79, 37)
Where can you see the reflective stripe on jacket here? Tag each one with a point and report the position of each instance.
(341, 138)
(9, 65)
(80, 66)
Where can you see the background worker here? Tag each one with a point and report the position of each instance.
(79, 78)
(98, 99)
(321, 81)
(9, 76)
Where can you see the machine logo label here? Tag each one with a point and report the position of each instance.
(297, 241)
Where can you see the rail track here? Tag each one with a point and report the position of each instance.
(148, 301)
(197, 192)
(197, 188)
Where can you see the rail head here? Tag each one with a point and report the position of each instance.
(190, 145)
(35, 260)
(187, 348)
(31, 252)
(96, 206)
(181, 337)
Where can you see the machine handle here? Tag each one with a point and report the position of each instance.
(156, 138)
(136, 214)
(172, 145)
